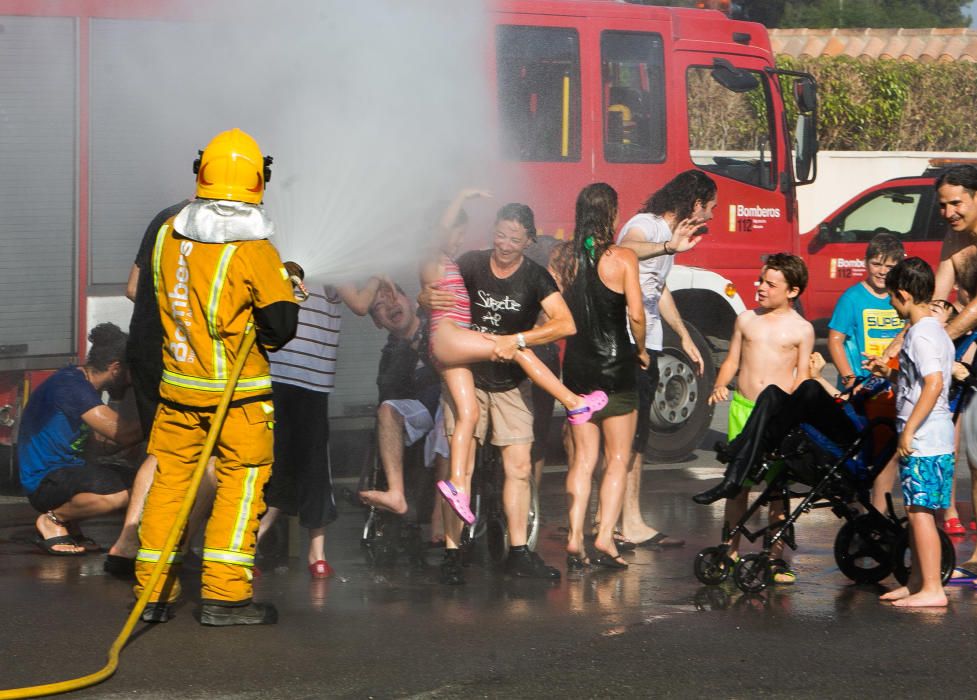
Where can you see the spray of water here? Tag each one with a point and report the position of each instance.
(371, 110)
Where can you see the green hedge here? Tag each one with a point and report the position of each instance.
(890, 105)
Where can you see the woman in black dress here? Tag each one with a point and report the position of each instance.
(599, 281)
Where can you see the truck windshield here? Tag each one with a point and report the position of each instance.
(634, 97)
(731, 131)
(539, 93)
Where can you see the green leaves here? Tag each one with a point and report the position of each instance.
(892, 105)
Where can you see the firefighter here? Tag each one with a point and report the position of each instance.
(215, 274)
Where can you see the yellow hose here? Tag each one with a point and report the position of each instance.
(175, 533)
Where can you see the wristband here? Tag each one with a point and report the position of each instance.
(667, 251)
(520, 341)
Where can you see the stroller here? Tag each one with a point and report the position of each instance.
(810, 467)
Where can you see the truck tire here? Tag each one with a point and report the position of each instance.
(680, 412)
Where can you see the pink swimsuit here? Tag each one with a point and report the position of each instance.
(451, 281)
(461, 314)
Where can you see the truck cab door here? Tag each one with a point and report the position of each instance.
(836, 253)
(734, 132)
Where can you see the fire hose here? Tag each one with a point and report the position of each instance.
(176, 532)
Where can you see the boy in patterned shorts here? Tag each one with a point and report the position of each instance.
(925, 426)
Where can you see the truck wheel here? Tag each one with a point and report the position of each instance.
(680, 413)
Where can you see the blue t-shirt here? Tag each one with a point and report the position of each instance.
(868, 322)
(52, 433)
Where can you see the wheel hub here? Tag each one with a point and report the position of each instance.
(676, 394)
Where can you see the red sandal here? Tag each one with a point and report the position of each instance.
(321, 569)
(953, 526)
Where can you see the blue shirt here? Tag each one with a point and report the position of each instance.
(869, 323)
(52, 433)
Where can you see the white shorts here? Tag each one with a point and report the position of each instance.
(418, 423)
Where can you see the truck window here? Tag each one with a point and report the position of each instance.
(731, 132)
(904, 212)
(632, 86)
(539, 92)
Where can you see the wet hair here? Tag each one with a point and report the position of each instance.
(791, 267)
(951, 310)
(593, 230)
(913, 276)
(521, 214)
(108, 346)
(885, 246)
(964, 176)
(373, 304)
(680, 194)
(293, 268)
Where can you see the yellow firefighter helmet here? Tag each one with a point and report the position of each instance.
(232, 167)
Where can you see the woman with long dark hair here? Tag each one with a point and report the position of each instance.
(599, 281)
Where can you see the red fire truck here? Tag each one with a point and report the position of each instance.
(589, 90)
(632, 95)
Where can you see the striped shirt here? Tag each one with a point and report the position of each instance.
(309, 359)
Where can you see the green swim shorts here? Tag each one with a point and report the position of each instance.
(740, 409)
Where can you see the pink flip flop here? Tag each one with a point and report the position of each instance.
(457, 500)
(592, 403)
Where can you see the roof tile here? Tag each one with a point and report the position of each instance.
(938, 44)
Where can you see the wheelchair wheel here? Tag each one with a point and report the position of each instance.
(532, 529)
(753, 572)
(369, 529)
(712, 566)
(902, 558)
(863, 551)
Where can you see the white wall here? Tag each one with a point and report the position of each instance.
(843, 174)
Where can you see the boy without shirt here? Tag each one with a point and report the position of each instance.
(771, 344)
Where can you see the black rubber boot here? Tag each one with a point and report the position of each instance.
(724, 489)
(226, 616)
(157, 612)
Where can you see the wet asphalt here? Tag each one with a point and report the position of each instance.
(394, 631)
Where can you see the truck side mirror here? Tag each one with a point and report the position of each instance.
(825, 232)
(805, 95)
(732, 78)
(805, 149)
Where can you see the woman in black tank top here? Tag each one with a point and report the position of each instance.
(599, 281)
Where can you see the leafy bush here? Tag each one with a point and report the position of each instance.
(890, 105)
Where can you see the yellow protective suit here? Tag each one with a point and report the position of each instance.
(207, 293)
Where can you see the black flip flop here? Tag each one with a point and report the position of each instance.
(658, 540)
(48, 545)
(88, 543)
(608, 561)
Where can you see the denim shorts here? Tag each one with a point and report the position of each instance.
(927, 482)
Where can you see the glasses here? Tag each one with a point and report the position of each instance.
(882, 264)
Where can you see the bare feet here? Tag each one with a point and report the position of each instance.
(47, 528)
(896, 594)
(608, 549)
(638, 532)
(127, 546)
(126, 550)
(922, 600)
(387, 500)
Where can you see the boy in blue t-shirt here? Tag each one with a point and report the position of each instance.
(925, 426)
(864, 322)
(59, 417)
